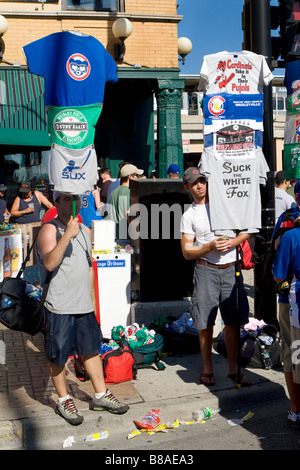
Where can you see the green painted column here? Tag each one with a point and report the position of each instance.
(169, 139)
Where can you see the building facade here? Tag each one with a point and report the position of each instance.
(125, 130)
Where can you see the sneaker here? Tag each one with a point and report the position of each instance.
(294, 419)
(109, 403)
(68, 410)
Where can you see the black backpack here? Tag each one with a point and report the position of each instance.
(175, 343)
(252, 347)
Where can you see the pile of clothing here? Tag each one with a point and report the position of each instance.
(135, 335)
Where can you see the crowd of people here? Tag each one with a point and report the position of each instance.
(30, 205)
(64, 247)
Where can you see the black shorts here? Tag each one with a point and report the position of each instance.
(69, 335)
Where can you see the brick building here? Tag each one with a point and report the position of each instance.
(125, 130)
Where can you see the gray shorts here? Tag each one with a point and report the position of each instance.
(295, 353)
(285, 334)
(216, 288)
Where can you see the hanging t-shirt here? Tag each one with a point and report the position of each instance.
(292, 83)
(75, 67)
(231, 108)
(291, 161)
(292, 129)
(233, 188)
(234, 141)
(234, 72)
(73, 170)
(73, 127)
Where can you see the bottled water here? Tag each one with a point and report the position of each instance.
(205, 413)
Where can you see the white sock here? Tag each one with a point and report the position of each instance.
(60, 400)
(100, 395)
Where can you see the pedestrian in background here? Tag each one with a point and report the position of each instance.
(104, 183)
(4, 213)
(283, 200)
(173, 171)
(26, 207)
(290, 189)
(120, 201)
(115, 184)
(91, 207)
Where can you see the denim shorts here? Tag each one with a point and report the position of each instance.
(215, 289)
(68, 335)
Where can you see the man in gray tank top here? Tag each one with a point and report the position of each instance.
(64, 248)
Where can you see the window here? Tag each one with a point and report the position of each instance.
(25, 166)
(195, 99)
(34, 1)
(96, 5)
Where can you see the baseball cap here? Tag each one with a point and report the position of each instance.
(130, 169)
(25, 187)
(173, 168)
(191, 175)
(297, 187)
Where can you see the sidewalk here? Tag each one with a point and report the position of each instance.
(27, 396)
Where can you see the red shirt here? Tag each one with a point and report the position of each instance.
(52, 213)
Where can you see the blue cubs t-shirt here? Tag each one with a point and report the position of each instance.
(75, 68)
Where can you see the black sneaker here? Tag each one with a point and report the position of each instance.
(109, 403)
(294, 420)
(68, 410)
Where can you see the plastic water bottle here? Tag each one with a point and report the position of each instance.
(205, 413)
(265, 355)
(266, 339)
(149, 421)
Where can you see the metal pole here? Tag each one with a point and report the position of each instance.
(265, 297)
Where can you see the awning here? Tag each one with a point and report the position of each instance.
(22, 109)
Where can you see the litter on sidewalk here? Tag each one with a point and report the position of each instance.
(237, 422)
(163, 427)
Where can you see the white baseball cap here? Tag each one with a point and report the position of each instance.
(129, 169)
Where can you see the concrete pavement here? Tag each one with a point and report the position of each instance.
(27, 396)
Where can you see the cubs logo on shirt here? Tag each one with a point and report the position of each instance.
(215, 105)
(78, 67)
(75, 68)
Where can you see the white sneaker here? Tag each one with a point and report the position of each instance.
(294, 419)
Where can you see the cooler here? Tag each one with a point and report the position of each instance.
(113, 278)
